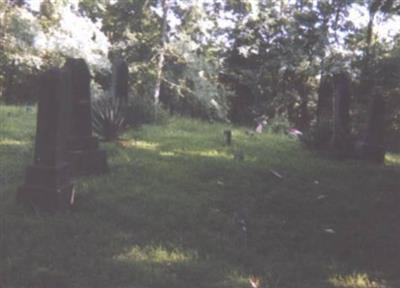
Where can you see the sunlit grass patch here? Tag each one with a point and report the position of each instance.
(236, 279)
(12, 142)
(356, 280)
(167, 153)
(151, 254)
(139, 144)
(392, 159)
(213, 153)
(204, 153)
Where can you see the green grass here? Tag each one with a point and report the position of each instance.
(169, 214)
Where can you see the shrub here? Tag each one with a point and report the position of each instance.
(141, 110)
(162, 116)
(109, 117)
(279, 125)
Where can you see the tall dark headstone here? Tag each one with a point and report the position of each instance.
(119, 81)
(373, 149)
(47, 181)
(325, 101)
(324, 124)
(85, 156)
(341, 141)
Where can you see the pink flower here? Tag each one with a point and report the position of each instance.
(259, 128)
(295, 132)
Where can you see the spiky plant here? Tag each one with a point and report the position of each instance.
(109, 117)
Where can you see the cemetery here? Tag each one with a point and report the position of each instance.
(153, 155)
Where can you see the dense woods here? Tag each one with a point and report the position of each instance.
(219, 60)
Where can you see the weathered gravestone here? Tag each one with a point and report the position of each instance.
(324, 123)
(373, 149)
(119, 81)
(83, 149)
(341, 141)
(47, 181)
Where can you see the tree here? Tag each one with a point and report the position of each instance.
(166, 35)
(16, 53)
(165, 6)
(31, 40)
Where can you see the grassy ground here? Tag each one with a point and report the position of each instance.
(178, 210)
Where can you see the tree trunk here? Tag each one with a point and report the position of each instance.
(3, 24)
(367, 80)
(165, 7)
(370, 30)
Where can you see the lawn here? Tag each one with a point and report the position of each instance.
(178, 209)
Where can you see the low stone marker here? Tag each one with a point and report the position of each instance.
(228, 137)
(119, 80)
(83, 150)
(47, 181)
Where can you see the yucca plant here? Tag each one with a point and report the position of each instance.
(109, 117)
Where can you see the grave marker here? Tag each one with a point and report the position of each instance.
(85, 156)
(47, 181)
(228, 137)
(119, 82)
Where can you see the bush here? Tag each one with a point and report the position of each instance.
(141, 110)
(162, 116)
(279, 125)
(109, 117)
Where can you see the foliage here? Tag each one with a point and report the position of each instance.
(277, 56)
(109, 117)
(279, 125)
(32, 41)
(189, 83)
(191, 86)
(18, 61)
(140, 111)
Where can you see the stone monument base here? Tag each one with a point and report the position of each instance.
(47, 188)
(88, 162)
(85, 156)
